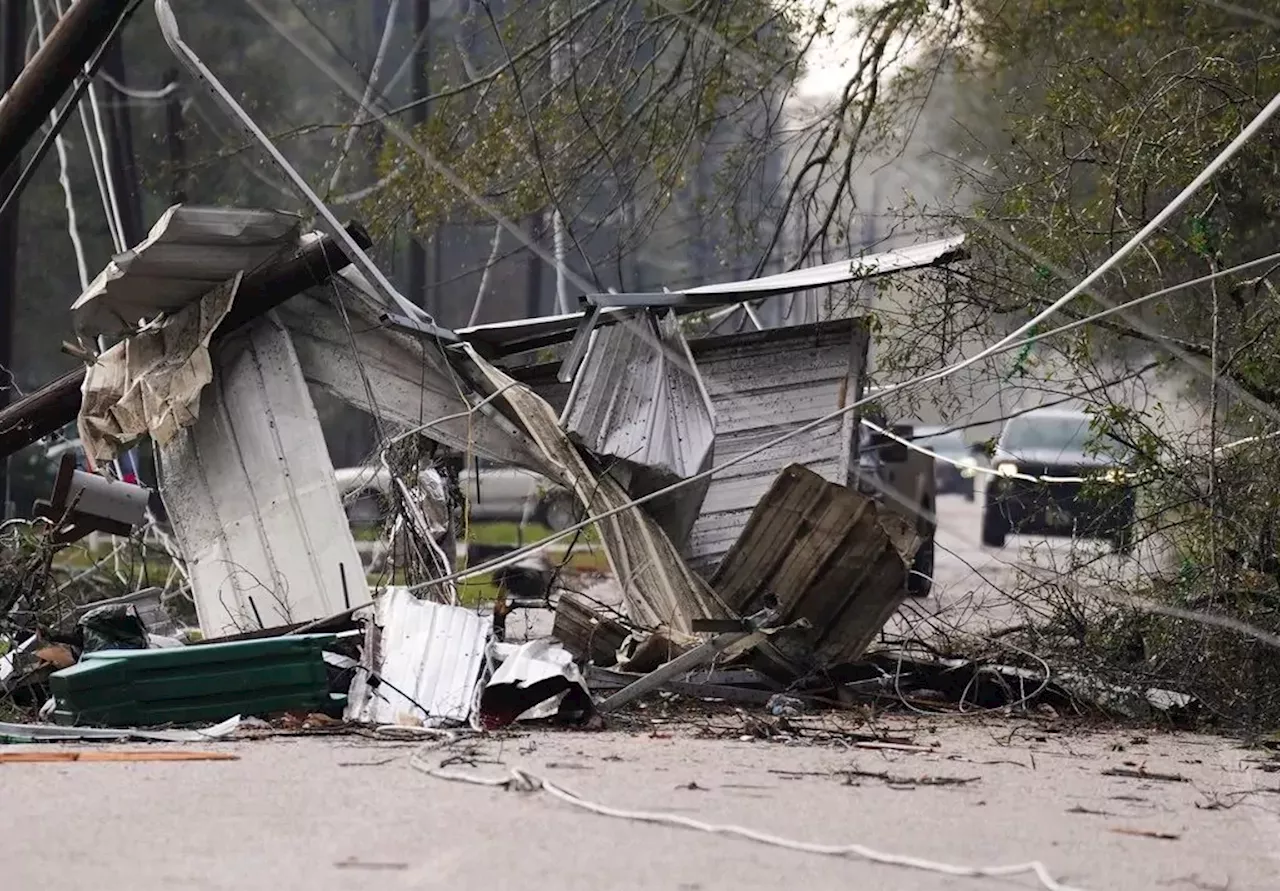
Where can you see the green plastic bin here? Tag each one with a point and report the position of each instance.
(199, 684)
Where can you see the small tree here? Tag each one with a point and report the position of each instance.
(1085, 119)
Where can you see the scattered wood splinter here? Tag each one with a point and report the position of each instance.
(1142, 773)
(892, 780)
(64, 756)
(1147, 833)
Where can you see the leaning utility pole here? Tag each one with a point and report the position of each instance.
(12, 44)
(174, 137)
(53, 69)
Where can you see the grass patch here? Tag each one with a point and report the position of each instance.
(511, 534)
(474, 591)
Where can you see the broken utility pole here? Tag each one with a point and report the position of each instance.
(56, 404)
(53, 69)
(12, 45)
(173, 128)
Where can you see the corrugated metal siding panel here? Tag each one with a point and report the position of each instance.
(763, 385)
(187, 252)
(638, 398)
(392, 375)
(431, 651)
(252, 495)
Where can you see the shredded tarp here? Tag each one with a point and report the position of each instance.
(151, 383)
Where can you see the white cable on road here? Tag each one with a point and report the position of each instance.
(522, 780)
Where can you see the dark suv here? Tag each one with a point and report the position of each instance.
(1090, 498)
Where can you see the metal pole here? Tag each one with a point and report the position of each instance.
(533, 271)
(122, 163)
(55, 66)
(419, 291)
(12, 47)
(174, 139)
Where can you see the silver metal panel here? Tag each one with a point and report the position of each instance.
(866, 266)
(525, 334)
(252, 496)
(344, 349)
(188, 251)
(639, 403)
(431, 651)
(762, 385)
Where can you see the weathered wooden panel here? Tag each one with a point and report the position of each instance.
(827, 554)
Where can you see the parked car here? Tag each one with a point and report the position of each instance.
(901, 480)
(1058, 443)
(954, 476)
(499, 492)
(496, 493)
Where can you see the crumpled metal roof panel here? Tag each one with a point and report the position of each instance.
(638, 398)
(431, 651)
(189, 251)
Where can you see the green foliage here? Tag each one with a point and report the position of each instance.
(1084, 119)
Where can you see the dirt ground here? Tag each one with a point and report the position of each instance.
(350, 812)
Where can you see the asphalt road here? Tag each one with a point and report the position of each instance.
(978, 588)
(350, 813)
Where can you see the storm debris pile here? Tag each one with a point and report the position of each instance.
(778, 569)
